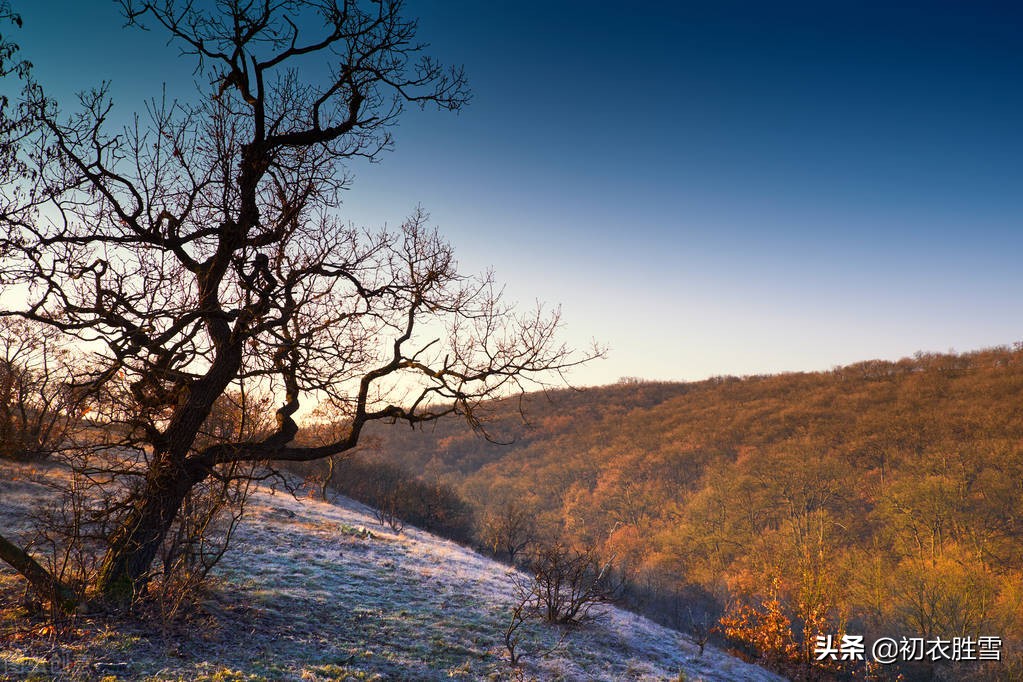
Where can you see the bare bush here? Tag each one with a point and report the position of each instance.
(700, 628)
(511, 632)
(564, 585)
(199, 538)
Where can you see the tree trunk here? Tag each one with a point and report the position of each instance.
(134, 546)
(42, 581)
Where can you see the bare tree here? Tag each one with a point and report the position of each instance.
(201, 249)
(509, 527)
(39, 404)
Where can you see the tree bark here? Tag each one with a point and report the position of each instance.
(133, 548)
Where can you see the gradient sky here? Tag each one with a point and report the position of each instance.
(706, 188)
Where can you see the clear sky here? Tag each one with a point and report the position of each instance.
(706, 188)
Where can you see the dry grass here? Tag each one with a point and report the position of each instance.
(314, 591)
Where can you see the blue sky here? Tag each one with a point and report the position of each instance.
(707, 188)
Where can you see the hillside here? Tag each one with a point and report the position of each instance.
(316, 591)
(882, 497)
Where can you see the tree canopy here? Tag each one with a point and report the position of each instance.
(202, 252)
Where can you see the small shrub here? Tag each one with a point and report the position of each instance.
(565, 584)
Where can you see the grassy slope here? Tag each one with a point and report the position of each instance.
(305, 595)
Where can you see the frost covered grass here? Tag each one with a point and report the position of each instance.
(316, 591)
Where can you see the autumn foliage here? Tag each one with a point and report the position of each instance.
(882, 498)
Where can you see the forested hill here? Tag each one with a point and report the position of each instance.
(870, 416)
(847, 494)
